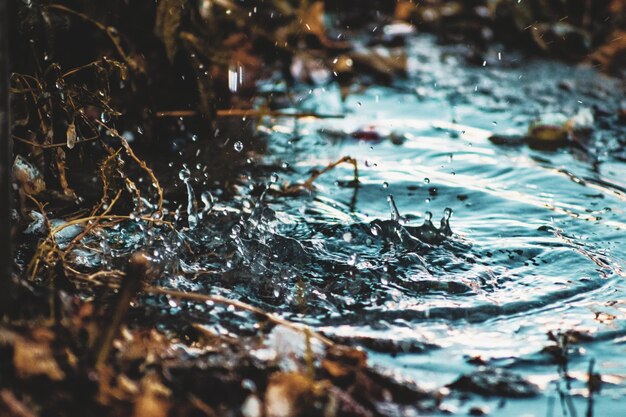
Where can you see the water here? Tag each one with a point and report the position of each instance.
(534, 243)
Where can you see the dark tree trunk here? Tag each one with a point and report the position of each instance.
(6, 156)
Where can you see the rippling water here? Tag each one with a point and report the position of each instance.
(537, 243)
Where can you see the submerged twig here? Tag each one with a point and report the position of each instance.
(240, 305)
(250, 113)
(308, 184)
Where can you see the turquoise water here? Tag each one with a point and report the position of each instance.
(537, 243)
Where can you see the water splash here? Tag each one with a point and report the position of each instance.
(192, 205)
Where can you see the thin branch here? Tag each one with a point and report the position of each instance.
(249, 113)
(241, 306)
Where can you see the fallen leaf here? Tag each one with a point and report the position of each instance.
(13, 406)
(32, 358)
(288, 395)
(153, 399)
(611, 56)
(168, 18)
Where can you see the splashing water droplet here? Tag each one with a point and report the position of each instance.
(192, 205)
(274, 178)
(207, 200)
(395, 214)
(427, 180)
(347, 237)
(184, 174)
(238, 146)
(385, 184)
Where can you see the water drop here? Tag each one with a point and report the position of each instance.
(395, 214)
(385, 184)
(207, 200)
(274, 178)
(427, 180)
(184, 174)
(238, 146)
(347, 237)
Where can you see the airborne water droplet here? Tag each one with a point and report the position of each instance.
(238, 146)
(395, 214)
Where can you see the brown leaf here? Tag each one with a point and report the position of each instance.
(405, 10)
(153, 400)
(71, 135)
(28, 176)
(288, 395)
(335, 369)
(382, 63)
(612, 55)
(168, 17)
(13, 406)
(60, 163)
(32, 358)
(313, 19)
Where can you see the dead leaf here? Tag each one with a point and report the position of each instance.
(32, 358)
(342, 361)
(60, 163)
(153, 400)
(28, 176)
(71, 135)
(13, 406)
(382, 63)
(168, 17)
(611, 56)
(405, 10)
(313, 20)
(288, 395)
